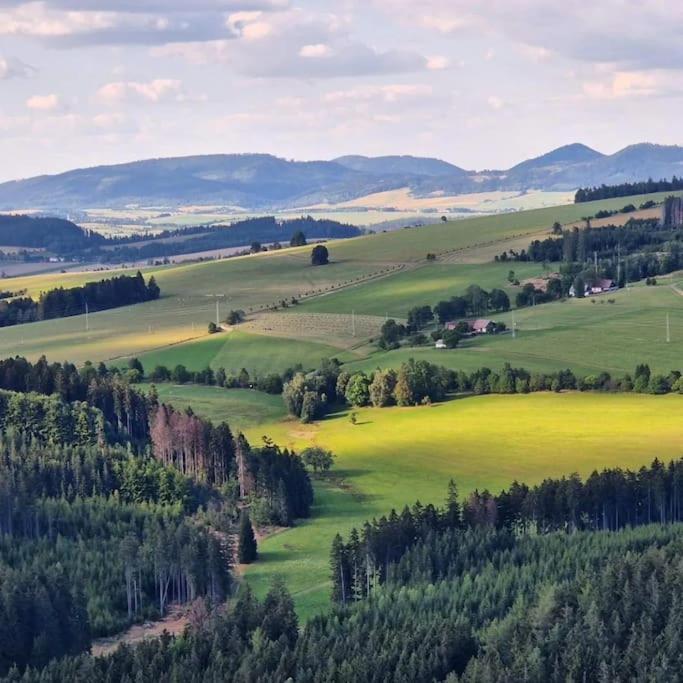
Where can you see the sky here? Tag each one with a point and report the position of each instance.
(479, 84)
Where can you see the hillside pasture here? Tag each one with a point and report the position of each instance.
(430, 283)
(394, 456)
(587, 335)
(258, 354)
(257, 283)
(241, 408)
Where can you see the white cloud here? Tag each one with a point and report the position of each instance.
(627, 84)
(495, 102)
(437, 63)
(43, 102)
(317, 50)
(296, 41)
(155, 91)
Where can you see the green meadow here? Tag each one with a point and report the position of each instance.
(394, 456)
(259, 354)
(241, 408)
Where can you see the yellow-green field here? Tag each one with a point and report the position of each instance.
(394, 456)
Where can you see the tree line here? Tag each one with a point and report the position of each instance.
(419, 382)
(122, 290)
(263, 230)
(639, 249)
(589, 194)
(609, 500)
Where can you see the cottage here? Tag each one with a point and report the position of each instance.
(482, 326)
(598, 287)
(440, 344)
(602, 286)
(468, 327)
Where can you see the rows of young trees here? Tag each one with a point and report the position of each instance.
(122, 290)
(589, 194)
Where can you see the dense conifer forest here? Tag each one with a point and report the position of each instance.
(589, 194)
(113, 506)
(463, 597)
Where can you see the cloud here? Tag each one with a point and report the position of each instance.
(634, 34)
(14, 68)
(437, 63)
(155, 91)
(43, 102)
(71, 24)
(317, 50)
(296, 43)
(385, 93)
(634, 84)
(495, 102)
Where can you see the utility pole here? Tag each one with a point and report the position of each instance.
(618, 263)
(218, 298)
(353, 323)
(514, 325)
(668, 329)
(87, 324)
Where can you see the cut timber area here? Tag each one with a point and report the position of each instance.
(174, 623)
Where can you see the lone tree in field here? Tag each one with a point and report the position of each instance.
(298, 239)
(318, 458)
(246, 541)
(320, 256)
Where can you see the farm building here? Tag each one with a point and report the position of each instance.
(479, 326)
(440, 344)
(601, 286)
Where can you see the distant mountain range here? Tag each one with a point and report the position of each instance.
(263, 182)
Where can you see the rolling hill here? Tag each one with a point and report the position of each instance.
(263, 182)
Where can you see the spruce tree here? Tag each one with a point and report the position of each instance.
(246, 541)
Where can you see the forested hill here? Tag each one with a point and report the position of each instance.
(53, 234)
(261, 182)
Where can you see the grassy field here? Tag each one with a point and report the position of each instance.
(259, 354)
(241, 408)
(253, 282)
(184, 310)
(396, 294)
(587, 335)
(394, 456)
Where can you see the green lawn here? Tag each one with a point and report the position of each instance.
(394, 456)
(241, 408)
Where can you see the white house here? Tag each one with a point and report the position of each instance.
(440, 344)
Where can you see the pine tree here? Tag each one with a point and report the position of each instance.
(246, 541)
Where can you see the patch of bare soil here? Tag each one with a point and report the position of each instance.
(174, 623)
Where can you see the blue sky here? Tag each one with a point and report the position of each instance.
(480, 84)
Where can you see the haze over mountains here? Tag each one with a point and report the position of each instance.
(264, 182)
